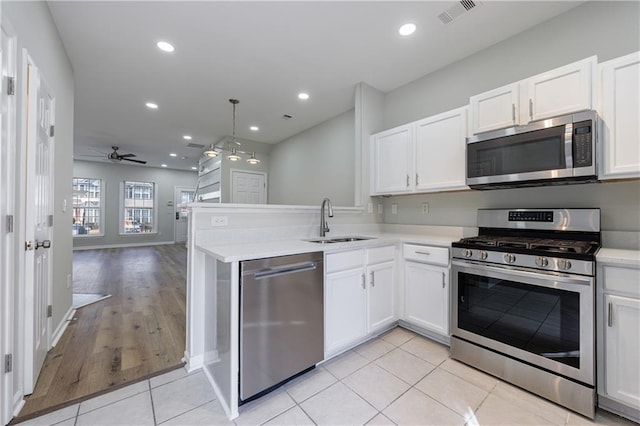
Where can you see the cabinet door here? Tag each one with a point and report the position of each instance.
(622, 349)
(381, 295)
(427, 297)
(620, 109)
(440, 151)
(392, 160)
(495, 109)
(345, 309)
(560, 91)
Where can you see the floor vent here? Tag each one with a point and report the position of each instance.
(457, 9)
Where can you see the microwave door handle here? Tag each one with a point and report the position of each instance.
(568, 145)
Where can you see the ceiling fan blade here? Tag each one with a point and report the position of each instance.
(127, 155)
(135, 161)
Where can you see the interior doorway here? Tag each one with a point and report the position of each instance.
(248, 187)
(182, 197)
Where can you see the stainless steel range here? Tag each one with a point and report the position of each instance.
(523, 301)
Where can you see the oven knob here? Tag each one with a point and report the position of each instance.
(467, 253)
(564, 264)
(543, 262)
(482, 255)
(509, 258)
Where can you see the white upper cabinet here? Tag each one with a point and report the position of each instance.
(560, 91)
(440, 151)
(495, 109)
(619, 110)
(424, 156)
(392, 160)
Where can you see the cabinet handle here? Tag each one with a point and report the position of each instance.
(407, 180)
(426, 253)
(364, 285)
(513, 112)
(373, 281)
(444, 284)
(417, 179)
(530, 108)
(610, 315)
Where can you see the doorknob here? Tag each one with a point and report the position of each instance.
(44, 244)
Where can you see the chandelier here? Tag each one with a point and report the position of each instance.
(216, 149)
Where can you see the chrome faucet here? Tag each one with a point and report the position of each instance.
(324, 226)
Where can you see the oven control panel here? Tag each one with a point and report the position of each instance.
(530, 216)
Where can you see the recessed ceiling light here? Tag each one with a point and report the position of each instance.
(151, 105)
(303, 95)
(254, 128)
(407, 29)
(187, 137)
(194, 168)
(173, 154)
(163, 165)
(164, 46)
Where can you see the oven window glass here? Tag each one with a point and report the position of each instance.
(529, 152)
(540, 320)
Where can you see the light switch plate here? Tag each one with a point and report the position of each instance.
(394, 209)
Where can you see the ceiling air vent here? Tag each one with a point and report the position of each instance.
(457, 9)
(287, 117)
(192, 144)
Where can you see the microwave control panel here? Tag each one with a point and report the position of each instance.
(582, 144)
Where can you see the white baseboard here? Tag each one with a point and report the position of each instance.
(106, 246)
(57, 334)
(193, 363)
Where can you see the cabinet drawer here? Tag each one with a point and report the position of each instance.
(620, 279)
(427, 254)
(345, 260)
(381, 254)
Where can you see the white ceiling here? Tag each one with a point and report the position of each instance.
(262, 53)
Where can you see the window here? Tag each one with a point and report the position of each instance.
(87, 207)
(138, 208)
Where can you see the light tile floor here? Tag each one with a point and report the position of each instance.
(399, 378)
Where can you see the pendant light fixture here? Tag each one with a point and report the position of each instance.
(211, 151)
(234, 155)
(253, 160)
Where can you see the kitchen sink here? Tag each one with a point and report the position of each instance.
(339, 240)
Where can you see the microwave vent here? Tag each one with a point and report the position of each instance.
(457, 9)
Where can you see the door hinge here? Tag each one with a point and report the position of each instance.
(11, 86)
(50, 220)
(49, 311)
(51, 130)
(9, 223)
(8, 363)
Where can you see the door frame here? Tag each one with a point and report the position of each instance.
(176, 209)
(249, 172)
(8, 147)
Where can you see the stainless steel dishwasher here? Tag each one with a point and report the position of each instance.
(281, 320)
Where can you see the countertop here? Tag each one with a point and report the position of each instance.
(234, 252)
(619, 257)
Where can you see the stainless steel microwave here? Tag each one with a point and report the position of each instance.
(558, 150)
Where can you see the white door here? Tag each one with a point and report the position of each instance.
(381, 295)
(426, 297)
(248, 187)
(38, 220)
(183, 196)
(392, 158)
(495, 109)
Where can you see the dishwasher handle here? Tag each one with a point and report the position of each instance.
(284, 270)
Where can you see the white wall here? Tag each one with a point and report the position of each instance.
(606, 29)
(112, 175)
(315, 164)
(36, 32)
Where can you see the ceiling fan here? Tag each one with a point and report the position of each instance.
(114, 156)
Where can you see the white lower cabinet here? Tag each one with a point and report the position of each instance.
(359, 296)
(426, 289)
(618, 319)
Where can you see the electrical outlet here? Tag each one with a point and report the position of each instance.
(394, 209)
(219, 221)
(380, 209)
(425, 208)
(370, 208)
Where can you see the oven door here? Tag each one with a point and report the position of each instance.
(546, 320)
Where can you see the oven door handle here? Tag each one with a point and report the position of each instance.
(485, 270)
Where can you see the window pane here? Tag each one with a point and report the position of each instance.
(87, 205)
(138, 207)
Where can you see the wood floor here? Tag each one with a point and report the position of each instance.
(138, 332)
